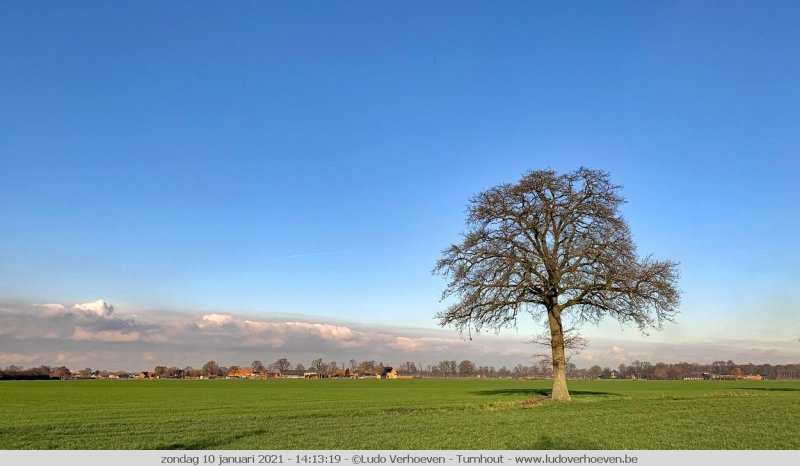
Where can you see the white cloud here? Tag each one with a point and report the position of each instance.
(423, 344)
(158, 337)
(216, 319)
(16, 358)
(110, 336)
(52, 308)
(99, 308)
(407, 344)
(275, 334)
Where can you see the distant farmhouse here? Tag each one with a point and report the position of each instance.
(392, 373)
(240, 374)
(713, 376)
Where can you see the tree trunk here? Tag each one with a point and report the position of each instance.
(560, 391)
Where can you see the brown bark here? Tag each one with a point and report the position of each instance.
(560, 391)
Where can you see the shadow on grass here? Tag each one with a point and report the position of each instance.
(538, 391)
(770, 389)
(216, 443)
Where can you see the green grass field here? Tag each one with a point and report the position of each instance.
(397, 414)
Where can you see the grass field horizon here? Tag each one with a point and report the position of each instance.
(399, 414)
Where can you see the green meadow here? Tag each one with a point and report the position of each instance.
(397, 414)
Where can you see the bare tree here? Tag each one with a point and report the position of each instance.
(318, 365)
(281, 365)
(448, 368)
(466, 368)
(557, 247)
(642, 369)
(210, 368)
(61, 372)
(258, 367)
(367, 367)
(408, 366)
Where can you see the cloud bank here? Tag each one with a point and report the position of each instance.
(97, 335)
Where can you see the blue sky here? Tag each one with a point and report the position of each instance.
(266, 157)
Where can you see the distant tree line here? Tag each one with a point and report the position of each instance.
(46, 372)
(681, 370)
(444, 368)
